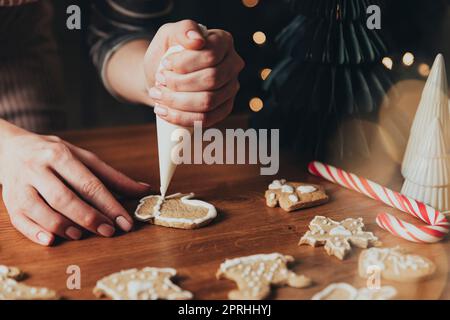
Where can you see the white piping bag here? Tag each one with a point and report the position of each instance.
(164, 131)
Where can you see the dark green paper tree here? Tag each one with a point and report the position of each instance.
(330, 69)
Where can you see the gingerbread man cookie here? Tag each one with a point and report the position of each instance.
(175, 211)
(146, 284)
(337, 236)
(395, 264)
(255, 274)
(344, 291)
(11, 289)
(292, 196)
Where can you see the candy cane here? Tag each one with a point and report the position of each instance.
(436, 226)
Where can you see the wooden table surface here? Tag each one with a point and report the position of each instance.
(244, 226)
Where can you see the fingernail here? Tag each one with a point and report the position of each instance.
(167, 64)
(161, 111)
(73, 233)
(144, 184)
(123, 223)
(160, 78)
(155, 93)
(194, 35)
(43, 238)
(106, 230)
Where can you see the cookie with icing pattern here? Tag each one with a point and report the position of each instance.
(395, 264)
(254, 275)
(145, 284)
(291, 196)
(12, 289)
(344, 291)
(175, 211)
(337, 237)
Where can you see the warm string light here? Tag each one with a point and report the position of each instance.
(259, 37)
(424, 70)
(265, 73)
(256, 104)
(388, 63)
(250, 3)
(408, 59)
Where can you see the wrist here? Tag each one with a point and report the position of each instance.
(124, 74)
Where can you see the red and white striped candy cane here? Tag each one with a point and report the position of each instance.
(436, 226)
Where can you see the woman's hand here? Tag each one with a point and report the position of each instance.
(197, 84)
(52, 188)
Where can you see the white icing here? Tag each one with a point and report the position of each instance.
(141, 289)
(272, 196)
(4, 270)
(350, 290)
(276, 184)
(399, 260)
(384, 293)
(340, 231)
(306, 189)
(287, 189)
(211, 214)
(293, 198)
(230, 263)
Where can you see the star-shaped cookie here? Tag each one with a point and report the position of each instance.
(337, 237)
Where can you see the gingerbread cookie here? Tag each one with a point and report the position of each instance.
(175, 211)
(344, 291)
(338, 236)
(11, 289)
(146, 284)
(255, 274)
(395, 264)
(10, 272)
(292, 196)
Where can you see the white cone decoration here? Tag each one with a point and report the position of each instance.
(426, 165)
(433, 104)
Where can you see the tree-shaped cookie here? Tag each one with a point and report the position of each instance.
(11, 289)
(175, 211)
(337, 237)
(292, 196)
(146, 284)
(254, 275)
(395, 264)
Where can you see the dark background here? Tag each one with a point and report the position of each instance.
(418, 26)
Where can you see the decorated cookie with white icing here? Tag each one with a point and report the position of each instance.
(11, 289)
(254, 275)
(344, 291)
(337, 237)
(292, 196)
(146, 284)
(175, 211)
(395, 264)
(10, 272)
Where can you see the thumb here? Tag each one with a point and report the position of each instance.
(188, 34)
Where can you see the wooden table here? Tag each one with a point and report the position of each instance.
(244, 226)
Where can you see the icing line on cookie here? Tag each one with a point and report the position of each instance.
(187, 199)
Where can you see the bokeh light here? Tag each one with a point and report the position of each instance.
(256, 104)
(408, 59)
(259, 37)
(388, 63)
(250, 3)
(424, 70)
(265, 73)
